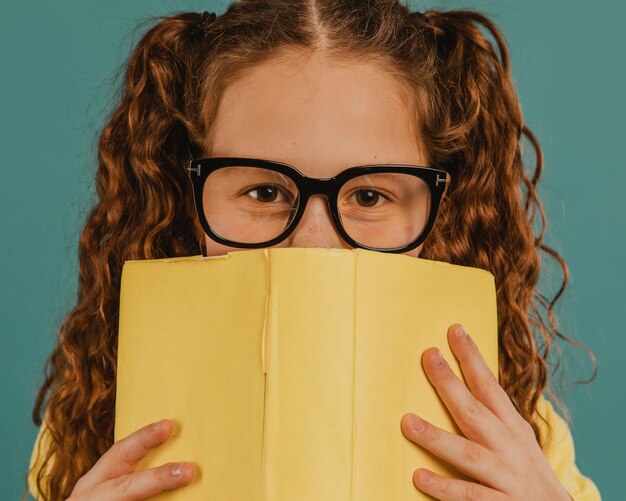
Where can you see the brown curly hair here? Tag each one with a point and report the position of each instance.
(468, 117)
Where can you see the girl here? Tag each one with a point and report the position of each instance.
(321, 85)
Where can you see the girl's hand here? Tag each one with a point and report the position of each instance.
(112, 477)
(498, 448)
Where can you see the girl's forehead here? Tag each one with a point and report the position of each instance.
(318, 115)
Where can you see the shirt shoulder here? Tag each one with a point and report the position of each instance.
(558, 447)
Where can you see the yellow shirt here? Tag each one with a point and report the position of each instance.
(559, 450)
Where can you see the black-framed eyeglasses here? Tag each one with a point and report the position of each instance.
(251, 203)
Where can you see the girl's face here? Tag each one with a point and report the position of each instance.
(321, 117)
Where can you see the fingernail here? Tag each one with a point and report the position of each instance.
(177, 469)
(460, 332)
(156, 425)
(438, 359)
(424, 477)
(416, 423)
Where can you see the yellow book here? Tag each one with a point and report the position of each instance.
(287, 370)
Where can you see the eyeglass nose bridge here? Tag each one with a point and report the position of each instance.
(326, 187)
(318, 186)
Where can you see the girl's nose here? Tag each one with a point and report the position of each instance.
(316, 228)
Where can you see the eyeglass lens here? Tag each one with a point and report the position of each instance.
(253, 205)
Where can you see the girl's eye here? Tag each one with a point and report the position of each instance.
(368, 198)
(267, 193)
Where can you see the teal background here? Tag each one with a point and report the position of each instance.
(58, 64)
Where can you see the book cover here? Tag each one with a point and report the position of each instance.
(287, 370)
